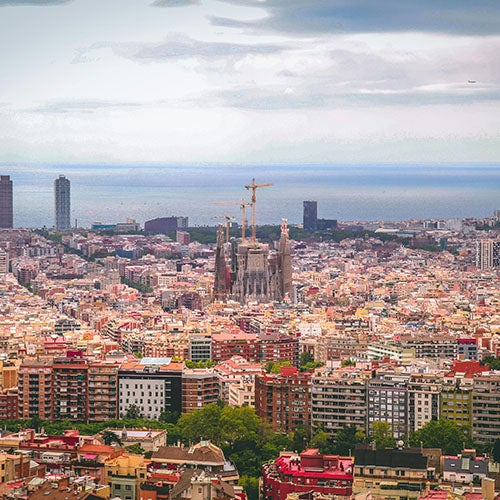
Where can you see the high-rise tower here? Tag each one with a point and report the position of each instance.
(6, 211)
(62, 200)
(310, 219)
(488, 254)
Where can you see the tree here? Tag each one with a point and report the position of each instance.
(300, 439)
(251, 486)
(444, 434)
(492, 362)
(309, 367)
(36, 423)
(347, 438)
(110, 437)
(382, 434)
(496, 451)
(133, 413)
(169, 417)
(275, 366)
(348, 362)
(306, 357)
(135, 448)
(322, 440)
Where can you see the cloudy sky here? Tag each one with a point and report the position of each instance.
(261, 81)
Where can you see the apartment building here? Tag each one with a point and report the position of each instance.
(153, 385)
(70, 389)
(103, 391)
(339, 398)
(486, 407)
(283, 399)
(423, 399)
(388, 401)
(35, 389)
(200, 387)
(307, 472)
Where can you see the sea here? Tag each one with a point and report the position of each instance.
(346, 192)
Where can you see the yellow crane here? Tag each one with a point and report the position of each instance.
(242, 205)
(254, 188)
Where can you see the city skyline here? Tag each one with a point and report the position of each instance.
(183, 81)
(375, 192)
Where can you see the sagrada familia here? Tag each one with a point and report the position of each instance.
(251, 271)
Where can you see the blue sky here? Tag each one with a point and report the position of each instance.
(257, 81)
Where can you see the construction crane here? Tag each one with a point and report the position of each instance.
(228, 218)
(242, 205)
(254, 188)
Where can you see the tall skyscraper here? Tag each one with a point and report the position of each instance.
(62, 200)
(310, 219)
(6, 204)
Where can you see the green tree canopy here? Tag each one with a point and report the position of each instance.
(382, 434)
(444, 434)
(323, 441)
(110, 437)
(251, 486)
(492, 362)
(221, 424)
(135, 448)
(275, 366)
(347, 438)
(496, 451)
(306, 357)
(133, 413)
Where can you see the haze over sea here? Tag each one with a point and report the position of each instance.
(347, 192)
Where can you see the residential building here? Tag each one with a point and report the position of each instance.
(235, 343)
(467, 348)
(392, 473)
(237, 380)
(380, 351)
(486, 407)
(200, 387)
(9, 404)
(150, 439)
(103, 391)
(70, 389)
(35, 389)
(62, 203)
(388, 401)
(203, 455)
(455, 402)
(124, 474)
(487, 253)
(423, 399)
(275, 346)
(309, 471)
(195, 484)
(4, 261)
(465, 468)
(339, 398)
(283, 399)
(200, 346)
(6, 202)
(242, 392)
(153, 385)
